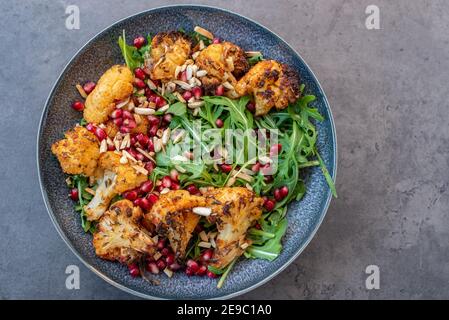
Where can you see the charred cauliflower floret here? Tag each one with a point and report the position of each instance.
(172, 215)
(234, 210)
(271, 84)
(168, 51)
(117, 178)
(119, 235)
(114, 85)
(78, 153)
(224, 62)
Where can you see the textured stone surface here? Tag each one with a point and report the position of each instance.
(387, 89)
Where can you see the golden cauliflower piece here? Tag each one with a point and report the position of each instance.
(272, 84)
(117, 178)
(223, 62)
(78, 153)
(114, 85)
(168, 50)
(172, 215)
(234, 210)
(119, 235)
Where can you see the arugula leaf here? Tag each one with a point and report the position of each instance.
(81, 183)
(83, 122)
(272, 248)
(132, 56)
(177, 109)
(255, 59)
(215, 270)
(327, 175)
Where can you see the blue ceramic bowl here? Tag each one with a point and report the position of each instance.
(90, 62)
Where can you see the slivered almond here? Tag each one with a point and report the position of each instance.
(122, 103)
(195, 104)
(248, 186)
(157, 255)
(81, 91)
(180, 169)
(230, 63)
(123, 160)
(129, 156)
(202, 45)
(228, 86)
(195, 55)
(183, 85)
(146, 154)
(164, 108)
(180, 158)
(90, 191)
(140, 169)
(166, 136)
(138, 118)
(247, 171)
(203, 32)
(230, 182)
(177, 71)
(201, 73)
(253, 53)
(189, 72)
(168, 272)
(151, 84)
(157, 144)
(144, 111)
(203, 244)
(179, 97)
(165, 190)
(244, 245)
(103, 146)
(213, 244)
(203, 236)
(202, 211)
(265, 160)
(183, 67)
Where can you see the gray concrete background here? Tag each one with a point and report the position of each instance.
(389, 92)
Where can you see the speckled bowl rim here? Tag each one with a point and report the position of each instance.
(44, 193)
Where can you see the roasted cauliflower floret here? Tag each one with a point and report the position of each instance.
(172, 215)
(168, 50)
(78, 153)
(114, 85)
(234, 210)
(117, 178)
(224, 62)
(271, 84)
(119, 235)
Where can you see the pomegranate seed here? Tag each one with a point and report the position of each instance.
(152, 98)
(183, 76)
(197, 92)
(137, 202)
(142, 139)
(207, 255)
(153, 130)
(284, 191)
(149, 166)
(219, 123)
(152, 198)
(160, 102)
(153, 268)
(170, 259)
(201, 271)
(193, 265)
(127, 115)
(251, 107)
(150, 146)
(140, 157)
(132, 152)
(117, 113)
(219, 91)
(74, 194)
(90, 127)
(187, 95)
(161, 264)
(130, 195)
(124, 129)
(143, 203)
(134, 270)
(165, 252)
(255, 167)
(211, 275)
(118, 122)
(216, 41)
(161, 244)
(269, 204)
(277, 195)
(226, 168)
(190, 272)
(174, 175)
(147, 186)
(153, 120)
(149, 259)
(198, 228)
(139, 83)
(268, 179)
(78, 106)
(139, 42)
(111, 147)
(166, 182)
(257, 226)
(265, 169)
(275, 149)
(131, 124)
(139, 74)
(101, 134)
(174, 266)
(175, 186)
(192, 189)
(88, 87)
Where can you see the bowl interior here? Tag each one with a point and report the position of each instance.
(98, 55)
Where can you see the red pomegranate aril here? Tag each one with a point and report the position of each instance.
(132, 152)
(146, 204)
(174, 175)
(118, 122)
(251, 107)
(153, 130)
(192, 189)
(117, 113)
(139, 74)
(277, 194)
(211, 275)
(127, 115)
(174, 266)
(90, 127)
(74, 194)
(275, 149)
(165, 251)
(131, 195)
(269, 204)
(216, 41)
(201, 271)
(183, 76)
(133, 270)
(149, 166)
(207, 255)
(101, 134)
(111, 147)
(166, 182)
(137, 202)
(139, 83)
(161, 244)
(139, 42)
(152, 198)
(226, 168)
(255, 167)
(193, 265)
(219, 91)
(219, 123)
(190, 272)
(187, 95)
(268, 179)
(88, 87)
(160, 102)
(175, 186)
(161, 264)
(140, 157)
(78, 106)
(142, 139)
(170, 259)
(152, 267)
(153, 120)
(197, 92)
(167, 118)
(147, 186)
(284, 191)
(125, 129)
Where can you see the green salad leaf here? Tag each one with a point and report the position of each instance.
(133, 58)
(272, 247)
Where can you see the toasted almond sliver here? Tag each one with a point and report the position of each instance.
(189, 72)
(157, 255)
(244, 245)
(129, 156)
(203, 244)
(179, 97)
(90, 191)
(165, 190)
(265, 160)
(201, 73)
(122, 103)
(203, 32)
(103, 146)
(183, 85)
(180, 169)
(212, 242)
(123, 160)
(177, 71)
(195, 104)
(156, 239)
(203, 236)
(164, 108)
(146, 154)
(230, 182)
(81, 91)
(144, 111)
(253, 53)
(228, 86)
(248, 186)
(141, 170)
(212, 235)
(195, 55)
(202, 211)
(166, 136)
(168, 272)
(157, 144)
